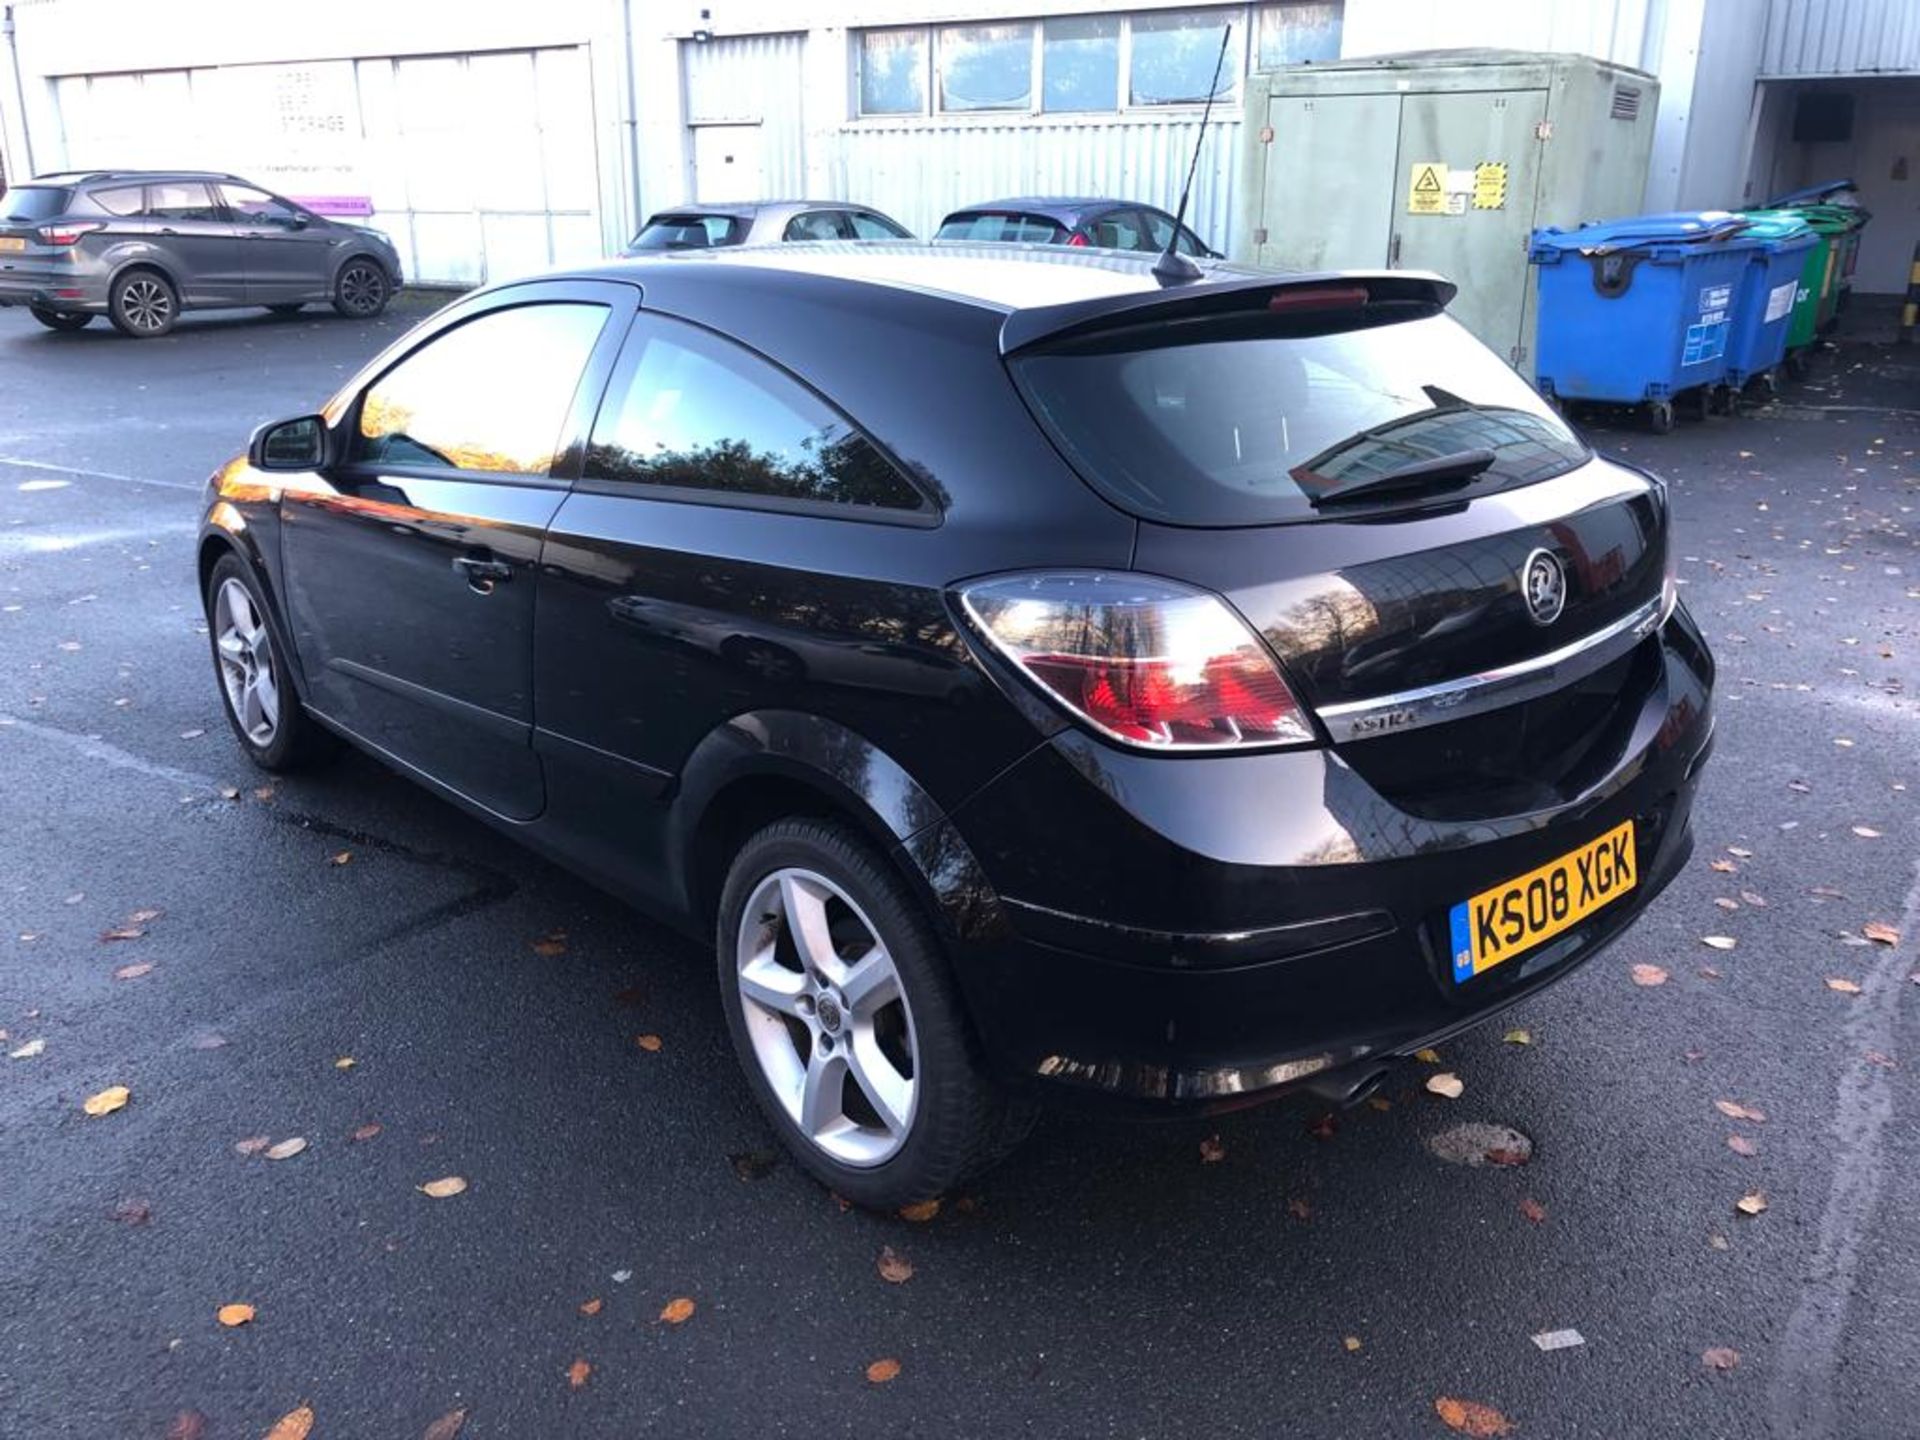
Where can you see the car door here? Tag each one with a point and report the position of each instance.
(287, 255)
(410, 563)
(196, 241)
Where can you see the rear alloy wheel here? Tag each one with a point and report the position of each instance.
(60, 320)
(261, 704)
(847, 1022)
(362, 290)
(143, 304)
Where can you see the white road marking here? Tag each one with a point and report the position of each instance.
(98, 474)
(1801, 1395)
(28, 487)
(96, 749)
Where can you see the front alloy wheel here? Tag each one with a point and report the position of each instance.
(247, 669)
(362, 291)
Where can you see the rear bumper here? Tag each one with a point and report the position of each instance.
(1212, 930)
(31, 281)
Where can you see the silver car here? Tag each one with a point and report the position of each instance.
(141, 246)
(762, 222)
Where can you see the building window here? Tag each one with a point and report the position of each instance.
(985, 67)
(1293, 33)
(1080, 63)
(893, 72)
(1087, 63)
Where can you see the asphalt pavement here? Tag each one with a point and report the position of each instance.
(335, 953)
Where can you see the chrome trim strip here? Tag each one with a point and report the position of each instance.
(1491, 689)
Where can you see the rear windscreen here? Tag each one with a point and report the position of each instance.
(34, 202)
(1243, 423)
(689, 232)
(1031, 229)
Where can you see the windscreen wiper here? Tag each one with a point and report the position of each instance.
(1438, 473)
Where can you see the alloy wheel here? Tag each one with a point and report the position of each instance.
(827, 1017)
(247, 669)
(146, 305)
(363, 289)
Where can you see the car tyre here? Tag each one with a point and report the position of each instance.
(361, 290)
(840, 1002)
(143, 304)
(59, 319)
(256, 687)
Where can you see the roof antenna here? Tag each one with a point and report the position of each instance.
(1172, 268)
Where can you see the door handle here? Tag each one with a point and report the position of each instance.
(482, 572)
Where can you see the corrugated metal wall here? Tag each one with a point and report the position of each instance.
(753, 79)
(1841, 37)
(918, 172)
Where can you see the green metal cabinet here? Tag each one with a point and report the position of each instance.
(1441, 160)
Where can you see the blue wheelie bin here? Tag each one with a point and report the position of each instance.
(1639, 311)
(1763, 308)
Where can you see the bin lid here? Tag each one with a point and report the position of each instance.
(1776, 226)
(1826, 191)
(1683, 229)
(1830, 219)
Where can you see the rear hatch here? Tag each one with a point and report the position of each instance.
(1457, 588)
(23, 210)
(1001, 226)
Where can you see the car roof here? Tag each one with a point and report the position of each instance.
(85, 177)
(756, 207)
(1035, 289)
(1068, 208)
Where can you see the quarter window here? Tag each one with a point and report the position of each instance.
(121, 200)
(691, 411)
(491, 395)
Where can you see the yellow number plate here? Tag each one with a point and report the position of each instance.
(1498, 924)
(12, 242)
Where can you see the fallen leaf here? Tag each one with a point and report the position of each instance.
(1734, 1110)
(551, 945)
(894, 1267)
(133, 1211)
(107, 1101)
(263, 793)
(145, 917)
(1752, 1203)
(1725, 904)
(1739, 853)
(1379, 1102)
(1719, 942)
(1866, 832)
(1352, 1342)
(1725, 867)
(1843, 742)
(753, 1164)
(620, 1277)
(1880, 931)
(1533, 1209)
(447, 1427)
(1709, 972)
(1427, 1057)
(1446, 1083)
(1558, 1339)
(187, 1425)
(1842, 985)
(1827, 892)
(1721, 1358)
(1212, 1150)
(365, 1132)
(1470, 1417)
(920, 1211)
(232, 1315)
(344, 857)
(1502, 1155)
(444, 1187)
(294, 1425)
(1644, 974)
(121, 932)
(881, 1371)
(1518, 1037)
(577, 1373)
(592, 1307)
(28, 1050)
(345, 1062)
(208, 1040)
(677, 1311)
(1741, 1145)
(649, 1043)
(1324, 1125)
(253, 1144)
(1885, 1062)
(287, 1148)
(1758, 901)
(229, 792)
(132, 972)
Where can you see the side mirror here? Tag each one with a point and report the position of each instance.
(289, 445)
(295, 222)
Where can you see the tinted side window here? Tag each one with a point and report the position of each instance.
(1118, 230)
(1035, 229)
(1190, 243)
(182, 200)
(491, 394)
(121, 200)
(689, 232)
(816, 225)
(693, 411)
(247, 203)
(33, 203)
(874, 227)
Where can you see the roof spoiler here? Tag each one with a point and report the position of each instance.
(1222, 295)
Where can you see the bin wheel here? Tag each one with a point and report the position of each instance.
(1660, 416)
(1768, 383)
(1800, 362)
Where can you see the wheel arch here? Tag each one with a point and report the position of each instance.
(360, 252)
(131, 263)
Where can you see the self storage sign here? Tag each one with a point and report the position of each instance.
(1707, 336)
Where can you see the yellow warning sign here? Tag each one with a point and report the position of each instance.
(1490, 185)
(1427, 190)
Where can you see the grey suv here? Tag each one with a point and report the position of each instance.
(140, 246)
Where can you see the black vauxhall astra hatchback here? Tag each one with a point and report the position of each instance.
(1032, 679)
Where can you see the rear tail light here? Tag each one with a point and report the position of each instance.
(1144, 661)
(1078, 239)
(69, 232)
